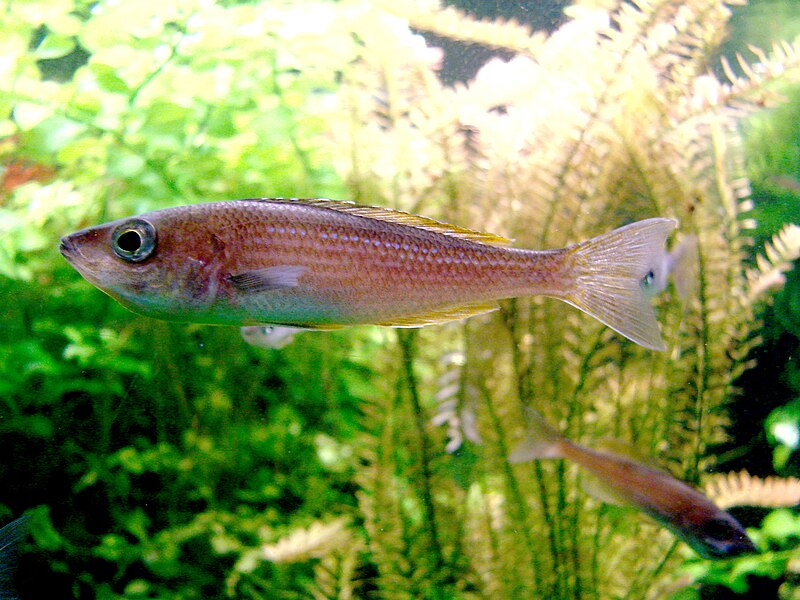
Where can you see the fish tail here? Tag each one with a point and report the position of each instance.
(611, 274)
(541, 439)
(10, 537)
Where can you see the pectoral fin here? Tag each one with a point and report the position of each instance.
(269, 336)
(268, 279)
(601, 490)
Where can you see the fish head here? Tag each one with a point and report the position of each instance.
(157, 264)
(720, 536)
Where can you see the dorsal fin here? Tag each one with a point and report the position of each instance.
(389, 215)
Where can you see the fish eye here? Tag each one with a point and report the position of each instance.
(134, 240)
(649, 279)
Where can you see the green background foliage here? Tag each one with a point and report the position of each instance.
(175, 461)
(155, 456)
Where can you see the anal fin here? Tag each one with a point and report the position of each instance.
(453, 313)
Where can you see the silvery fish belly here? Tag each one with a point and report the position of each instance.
(325, 264)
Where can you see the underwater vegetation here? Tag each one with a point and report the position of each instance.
(176, 461)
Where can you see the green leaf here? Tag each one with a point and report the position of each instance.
(783, 430)
(54, 45)
(167, 116)
(34, 425)
(125, 164)
(108, 80)
(28, 115)
(50, 136)
(43, 531)
(781, 526)
(221, 124)
(138, 588)
(112, 548)
(780, 456)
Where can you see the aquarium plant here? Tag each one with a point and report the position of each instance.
(175, 461)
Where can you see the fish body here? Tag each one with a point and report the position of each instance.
(326, 264)
(709, 530)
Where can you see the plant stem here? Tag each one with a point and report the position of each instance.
(406, 340)
(516, 494)
(522, 391)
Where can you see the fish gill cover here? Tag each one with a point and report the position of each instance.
(194, 466)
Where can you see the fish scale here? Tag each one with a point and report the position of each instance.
(377, 260)
(325, 264)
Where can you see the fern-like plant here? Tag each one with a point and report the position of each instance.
(611, 118)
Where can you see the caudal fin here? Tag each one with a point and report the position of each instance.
(541, 439)
(612, 272)
(10, 537)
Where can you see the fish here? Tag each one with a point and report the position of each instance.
(681, 265)
(326, 264)
(10, 537)
(619, 479)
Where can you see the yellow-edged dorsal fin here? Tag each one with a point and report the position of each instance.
(389, 215)
(441, 316)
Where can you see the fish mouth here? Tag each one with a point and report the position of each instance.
(67, 248)
(70, 250)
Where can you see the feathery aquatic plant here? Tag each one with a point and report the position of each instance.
(613, 117)
(740, 489)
